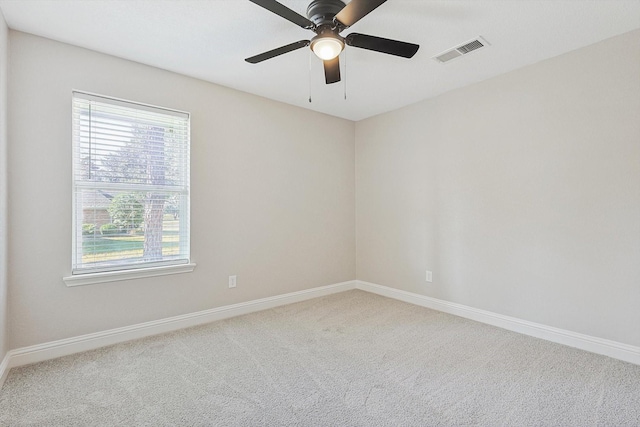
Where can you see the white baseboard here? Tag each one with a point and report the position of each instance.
(51, 350)
(4, 369)
(617, 350)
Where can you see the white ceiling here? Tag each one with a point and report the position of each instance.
(210, 39)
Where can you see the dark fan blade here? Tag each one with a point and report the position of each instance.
(332, 70)
(355, 11)
(279, 51)
(392, 47)
(285, 12)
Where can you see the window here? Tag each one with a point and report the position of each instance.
(130, 186)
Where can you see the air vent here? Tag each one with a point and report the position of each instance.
(463, 49)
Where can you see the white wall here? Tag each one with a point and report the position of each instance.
(272, 195)
(521, 193)
(4, 57)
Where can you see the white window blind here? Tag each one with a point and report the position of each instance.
(130, 185)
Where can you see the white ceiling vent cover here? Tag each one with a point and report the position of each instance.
(463, 49)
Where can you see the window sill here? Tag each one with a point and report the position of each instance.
(114, 276)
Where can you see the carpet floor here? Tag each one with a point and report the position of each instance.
(348, 359)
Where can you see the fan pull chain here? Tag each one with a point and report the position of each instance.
(310, 64)
(345, 74)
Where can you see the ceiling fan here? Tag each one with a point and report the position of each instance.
(328, 18)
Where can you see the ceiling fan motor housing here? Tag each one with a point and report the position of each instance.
(321, 12)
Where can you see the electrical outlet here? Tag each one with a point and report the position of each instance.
(232, 281)
(429, 276)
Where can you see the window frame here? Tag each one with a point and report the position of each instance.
(138, 269)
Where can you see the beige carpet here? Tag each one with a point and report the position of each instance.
(349, 359)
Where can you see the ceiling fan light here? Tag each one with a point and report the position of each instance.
(327, 48)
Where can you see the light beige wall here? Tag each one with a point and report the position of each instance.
(4, 57)
(521, 193)
(272, 195)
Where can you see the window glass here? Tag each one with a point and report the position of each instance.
(130, 185)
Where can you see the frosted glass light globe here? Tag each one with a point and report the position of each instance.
(327, 48)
